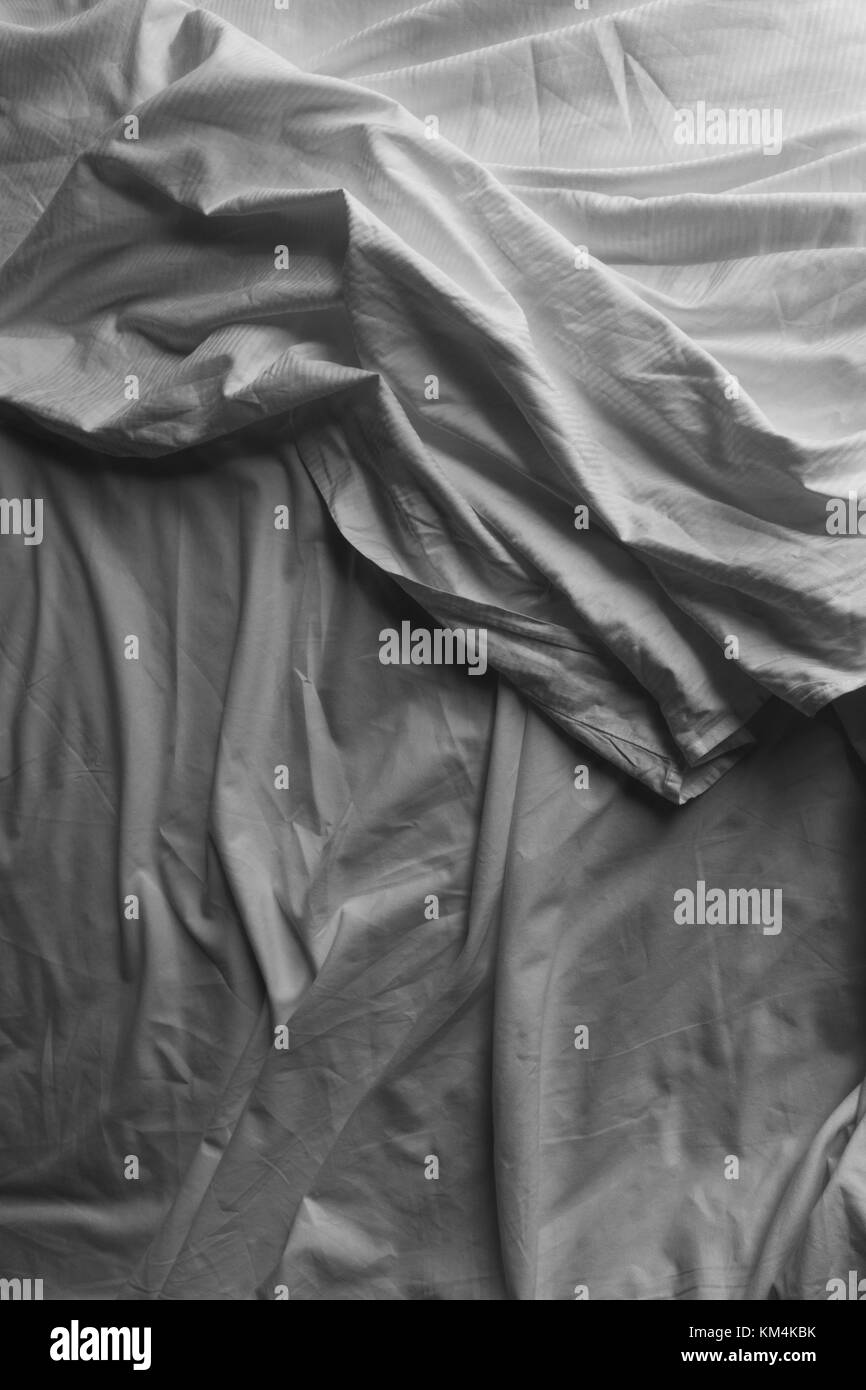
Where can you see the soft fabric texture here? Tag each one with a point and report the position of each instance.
(444, 284)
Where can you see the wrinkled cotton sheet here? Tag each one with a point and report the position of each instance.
(441, 290)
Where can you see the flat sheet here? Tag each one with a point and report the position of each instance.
(324, 978)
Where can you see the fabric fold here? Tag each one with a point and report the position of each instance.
(553, 444)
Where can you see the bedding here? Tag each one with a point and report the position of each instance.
(432, 637)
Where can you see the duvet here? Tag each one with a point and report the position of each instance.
(432, 649)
